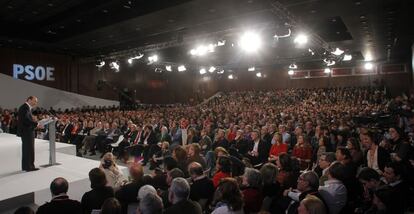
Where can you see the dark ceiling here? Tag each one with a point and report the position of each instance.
(377, 29)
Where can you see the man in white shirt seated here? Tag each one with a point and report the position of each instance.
(334, 191)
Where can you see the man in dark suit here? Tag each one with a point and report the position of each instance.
(202, 187)
(60, 202)
(25, 129)
(258, 149)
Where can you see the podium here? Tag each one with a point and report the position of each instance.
(52, 141)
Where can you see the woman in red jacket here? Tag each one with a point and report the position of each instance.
(277, 148)
(303, 152)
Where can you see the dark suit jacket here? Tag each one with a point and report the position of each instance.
(95, 198)
(263, 150)
(25, 124)
(128, 194)
(184, 207)
(61, 204)
(202, 189)
(151, 140)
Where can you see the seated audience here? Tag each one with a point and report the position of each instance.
(324, 163)
(99, 193)
(111, 206)
(252, 190)
(277, 148)
(308, 184)
(150, 204)
(202, 187)
(179, 197)
(128, 192)
(311, 205)
(114, 175)
(228, 198)
(223, 169)
(334, 191)
(60, 202)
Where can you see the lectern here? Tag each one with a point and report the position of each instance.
(52, 141)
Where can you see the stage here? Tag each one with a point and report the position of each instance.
(19, 188)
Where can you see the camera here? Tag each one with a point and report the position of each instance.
(107, 164)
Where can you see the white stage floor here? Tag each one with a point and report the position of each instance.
(15, 182)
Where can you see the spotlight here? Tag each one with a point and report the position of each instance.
(130, 60)
(114, 66)
(168, 68)
(329, 62)
(201, 50)
(153, 58)
(203, 71)
(250, 42)
(347, 57)
(221, 71)
(221, 42)
(230, 76)
(158, 70)
(100, 64)
(251, 69)
(293, 66)
(337, 52)
(291, 72)
(301, 39)
(368, 66)
(193, 52)
(258, 74)
(327, 70)
(181, 68)
(311, 51)
(212, 69)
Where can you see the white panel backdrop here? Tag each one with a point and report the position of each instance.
(13, 93)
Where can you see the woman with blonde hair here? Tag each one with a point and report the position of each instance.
(113, 174)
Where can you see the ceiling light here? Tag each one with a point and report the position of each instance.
(221, 71)
(311, 51)
(291, 72)
(337, 52)
(258, 74)
(153, 58)
(347, 57)
(193, 52)
(212, 69)
(100, 64)
(130, 60)
(250, 42)
(230, 76)
(168, 68)
(301, 39)
(221, 42)
(158, 70)
(114, 66)
(201, 50)
(251, 69)
(181, 68)
(203, 71)
(329, 62)
(293, 66)
(368, 66)
(327, 70)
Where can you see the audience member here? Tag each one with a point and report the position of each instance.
(179, 196)
(60, 202)
(99, 193)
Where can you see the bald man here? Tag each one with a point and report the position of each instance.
(26, 130)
